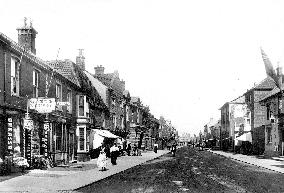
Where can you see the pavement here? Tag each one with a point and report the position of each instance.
(275, 164)
(65, 181)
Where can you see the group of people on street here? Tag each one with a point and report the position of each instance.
(102, 159)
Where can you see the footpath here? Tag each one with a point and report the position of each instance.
(275, 164)
(64, 181)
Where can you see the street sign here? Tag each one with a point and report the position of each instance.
(43, 105)
(28, 124)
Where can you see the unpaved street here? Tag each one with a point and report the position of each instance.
(191, 171)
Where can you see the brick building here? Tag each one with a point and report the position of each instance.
(258, 113)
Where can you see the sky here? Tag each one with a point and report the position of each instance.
(184, 58)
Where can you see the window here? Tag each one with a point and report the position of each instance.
(269, 136)
(35, 83)
(58, 88)
(82, 138)
(122, 122)
(137, 116)
(69, 99)
(114, 121)
(81, 106)
(15, 74)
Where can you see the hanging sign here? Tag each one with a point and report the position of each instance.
(10, 136)
(43, 105)
(28, 124)
(44, 138)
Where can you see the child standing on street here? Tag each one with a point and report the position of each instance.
(102, 160)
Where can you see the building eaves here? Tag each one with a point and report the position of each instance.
(26, 53)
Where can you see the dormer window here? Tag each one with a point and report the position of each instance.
(15, 76)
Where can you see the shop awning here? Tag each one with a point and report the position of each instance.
(245, 137)
(105, 133)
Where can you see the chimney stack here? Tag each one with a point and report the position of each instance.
(99, 70)
(26, 36)
(80, 60)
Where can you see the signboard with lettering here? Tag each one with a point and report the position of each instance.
(29, 146)
(43, 105)
(28, 124)
(10, 136)
(44, 138)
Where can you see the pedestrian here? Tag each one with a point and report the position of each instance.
(155, 148)
(135, 150)
(174, 149)
(101, 162)
(114, 151)
(128, 149)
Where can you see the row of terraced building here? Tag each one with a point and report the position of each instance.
(54, 107)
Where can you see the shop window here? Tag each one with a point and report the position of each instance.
(15, 76)
(16, 125)
(88, 140)
(82, 140)
(35, 83)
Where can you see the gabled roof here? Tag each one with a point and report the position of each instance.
(99, 86)
(65, 68)
(266, 83)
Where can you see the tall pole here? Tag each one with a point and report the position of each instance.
(4, 108)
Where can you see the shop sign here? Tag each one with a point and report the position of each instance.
(43, 105)
(28, 124)
(10, 136)
(44, 138)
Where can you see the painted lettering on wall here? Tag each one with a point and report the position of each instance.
(10, 136)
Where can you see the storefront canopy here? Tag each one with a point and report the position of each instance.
(244, 137)
(105, 133)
